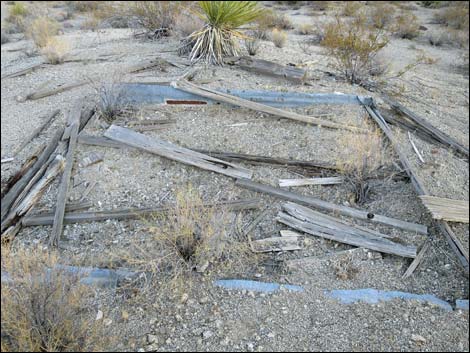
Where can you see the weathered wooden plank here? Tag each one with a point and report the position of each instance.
(37, 131)
(90, 159)
(16, 189)
(452, 240)
(310, 181)
(100, 141)
(23, 71)
(170, 151)
(92, 216)
(276, 244)
(424, 125)
(35, 194)
(417, 260)
(446, 209)
(268, 68)
(64, 184)
(230, 99)
(377, 244)
(329, 206)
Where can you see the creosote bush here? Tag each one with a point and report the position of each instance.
(191, 237)
(45, 308)
(455, 16)
(157, 17)
(41, 31)
(382, 15)
(219, 36)
(406, 26)
(306, 29)
(350, 8)
(353, 47)
(272, 19)
(17, 17)
(279, 37)
(362, 155)
(55, 50)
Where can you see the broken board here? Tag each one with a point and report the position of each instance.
(176, 153)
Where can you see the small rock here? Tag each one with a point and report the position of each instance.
(207, 334)
(203, 300)
(151, 339)
(99, 315)
(250, 347)
(107, 322)
(271, 335)
(418, 339)
(125, 315)
(184, 298)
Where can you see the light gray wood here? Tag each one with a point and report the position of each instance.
(35, 193)
(311, 225)
(268, 68)
(424, 125)
(417, 260)
(455, 244)
(100, 141)
(16, 189)
(170, 151)
(64, 184)
(90, 159)
(446, 209)
(310, 181)
(329, 206)
(227, 98)
(415, 148)
(36, 131)
(94, 216)
(23, 71)
(276, 244)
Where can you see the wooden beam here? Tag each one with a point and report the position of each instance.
(311, 222)
(424, 125)
(16, 189)
(36, 131)
(452, 240)
(329, 206)
(446, 209)
(230, 99)
(310, 181)
(268, 68)
(173, 152)
(138, 213)
(74, 118)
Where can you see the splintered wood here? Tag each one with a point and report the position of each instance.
(446, 209)
(310, 181)
(176, 153)
(332, 228)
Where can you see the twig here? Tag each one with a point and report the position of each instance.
(415, 148)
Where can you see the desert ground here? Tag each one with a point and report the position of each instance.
(174, 305)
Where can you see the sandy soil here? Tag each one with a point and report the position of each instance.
(214, 319)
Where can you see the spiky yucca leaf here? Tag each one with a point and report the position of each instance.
(223, 22)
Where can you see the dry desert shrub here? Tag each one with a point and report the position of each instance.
(41, 31)
(110, 100)
(353, 47)
(252, 45)
(350, 8)
(45, 308)
(55, 50)
(406, 26)
(305, 29)
(186, 24)
(382, 15)
(156, 17)
(455, 16)
(17, 17)
(190, 238)
(83, 6)
(272, 19)
(362, 155)
(279, 37)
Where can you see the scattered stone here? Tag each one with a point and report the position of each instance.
(99, 315)
(207, 334)
(107, 322)
(418, 339)
(125, 315)
(184, 298)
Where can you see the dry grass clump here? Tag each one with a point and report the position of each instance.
(157, 17)
(44, 308)
(252, 45)
(55, 50)
(344, 268)
(272, 19)
(455, 17)
(353, 47)
(190, 238)
(41, 31)
(362, 155)
(406, 26)
(305, 29)
(84, 6)
(279, 37)
(350, 8)
(110, 102)
(17, 17)
(382, 15)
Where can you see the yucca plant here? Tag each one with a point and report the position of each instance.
(222, 29)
